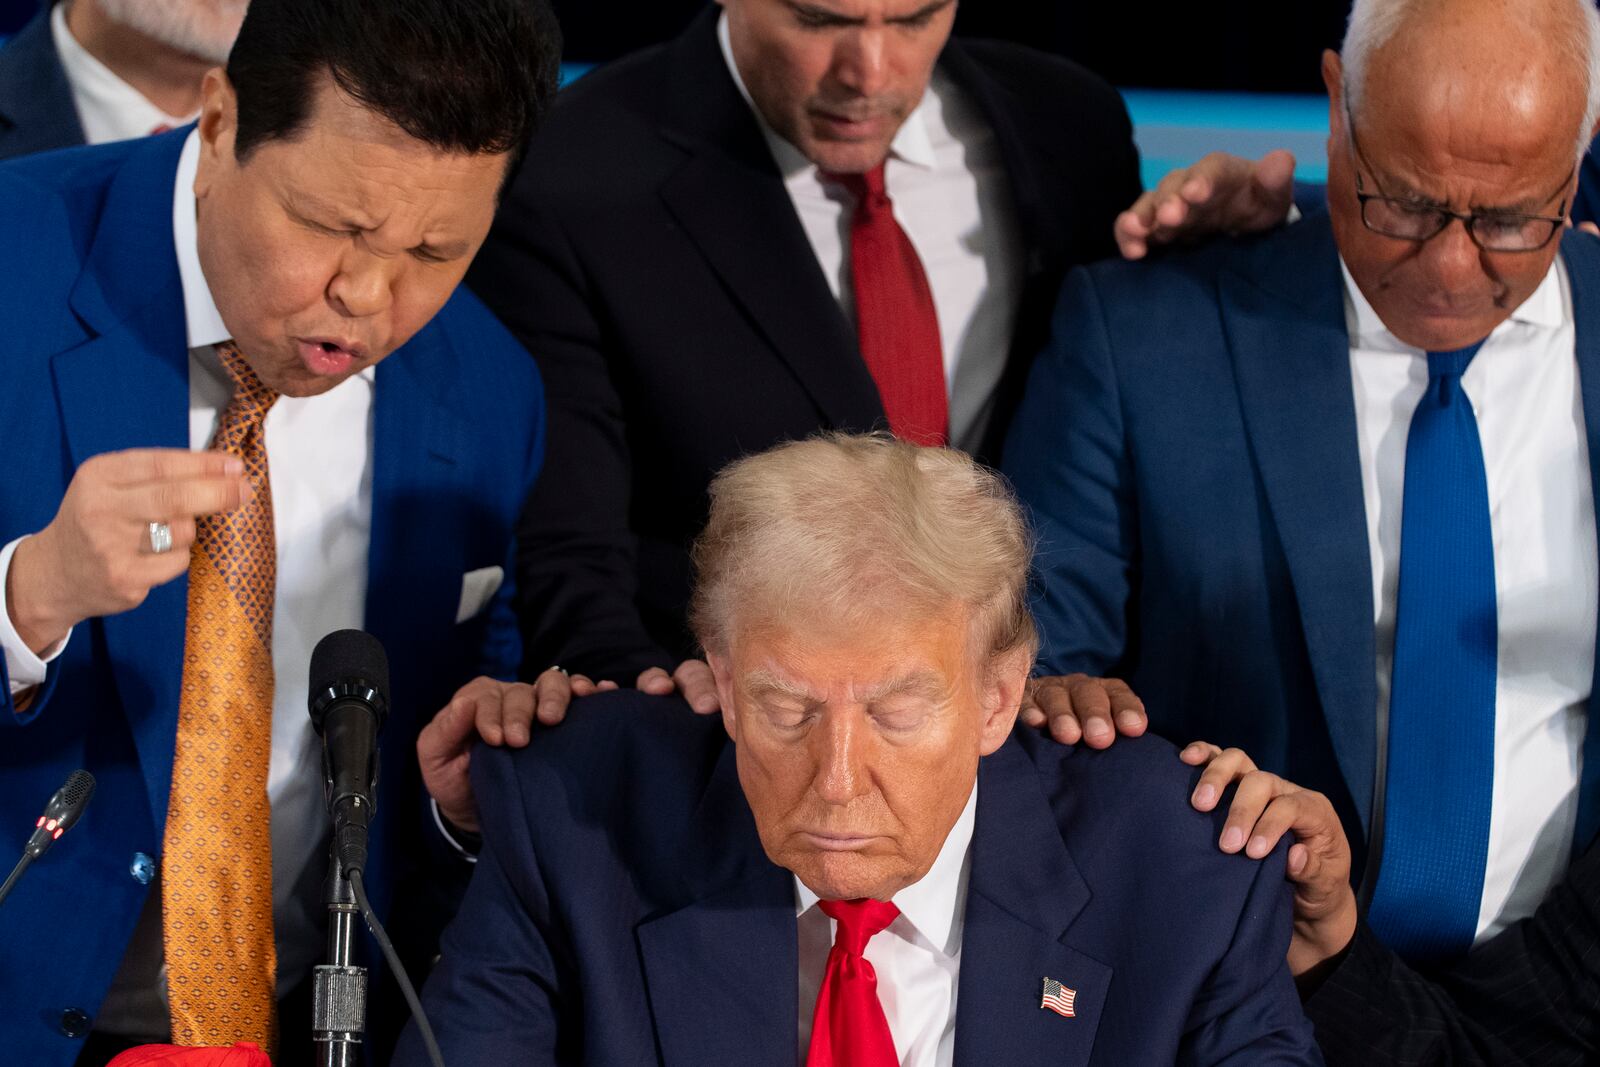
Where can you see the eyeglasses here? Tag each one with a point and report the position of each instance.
(1492, 231)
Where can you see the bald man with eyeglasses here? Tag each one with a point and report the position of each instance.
(1327, 494)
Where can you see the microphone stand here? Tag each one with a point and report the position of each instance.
(339, 989)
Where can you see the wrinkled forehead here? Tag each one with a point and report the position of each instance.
(823, 657)
(1478, 87)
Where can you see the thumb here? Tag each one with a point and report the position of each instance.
(1275, 173)
(448, 732)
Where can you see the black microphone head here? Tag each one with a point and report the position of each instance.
(66, 807)
(348, 664)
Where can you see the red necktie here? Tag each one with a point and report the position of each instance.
(895, 318)
(849, 1028)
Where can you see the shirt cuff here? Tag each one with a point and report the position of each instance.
(471, 856)
(24, 669)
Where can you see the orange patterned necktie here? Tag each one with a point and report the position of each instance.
(216, 872)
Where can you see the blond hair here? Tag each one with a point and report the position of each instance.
(846, 527)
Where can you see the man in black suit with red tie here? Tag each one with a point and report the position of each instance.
(799, 215)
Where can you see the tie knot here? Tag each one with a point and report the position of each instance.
(251, 399)
(859, 921)
(868, 188)
(1452, 363)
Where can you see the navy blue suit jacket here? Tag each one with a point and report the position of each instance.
(36, 108)
(95, 359)
(623, 911)
(1188, 449)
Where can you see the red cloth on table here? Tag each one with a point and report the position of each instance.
(244, 1054)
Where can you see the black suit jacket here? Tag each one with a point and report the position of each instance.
(652, 261)
(1531, 995)
(36, 108)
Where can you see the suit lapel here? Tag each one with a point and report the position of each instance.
(128, 387)
(710, 965)
(416, 553)
(1284, 320)
(1582, 256)
(36, 109)
(1023, 894)
(731, 202)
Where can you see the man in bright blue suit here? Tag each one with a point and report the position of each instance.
(863, 862)
(1215, 445)
(232, 351)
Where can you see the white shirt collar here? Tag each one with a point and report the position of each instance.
(1544, 309)
(933, 903)
(912, 143)
(200, 312)
(110, 108)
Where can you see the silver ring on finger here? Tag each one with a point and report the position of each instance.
(160, 535)
(555, 667)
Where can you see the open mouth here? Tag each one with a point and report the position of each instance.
(325, 357)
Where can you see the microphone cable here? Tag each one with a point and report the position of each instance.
(358, 885)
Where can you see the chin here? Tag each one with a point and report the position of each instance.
(836, 157)
(846, 876)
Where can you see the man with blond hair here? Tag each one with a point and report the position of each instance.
(863, 862)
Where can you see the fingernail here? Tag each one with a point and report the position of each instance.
(1232, 838)
(1259, 846)
(1097, 730)
(1128, 719)
(233, 465)
(1205, 796)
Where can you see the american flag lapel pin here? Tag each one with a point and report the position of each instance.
(1058, 998)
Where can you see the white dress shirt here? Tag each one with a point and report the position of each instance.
(952, 198)
(319, 458)
(1523, 385)
(917, 957)
(108, 108)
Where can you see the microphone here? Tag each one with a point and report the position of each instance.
(349, 699)
(60, 815)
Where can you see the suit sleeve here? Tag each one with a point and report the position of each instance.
(496, 994)
(1067, 455)
(1248, 1012)
(576, 559)
(1528, 996)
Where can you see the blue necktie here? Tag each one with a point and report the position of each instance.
(1441, 697)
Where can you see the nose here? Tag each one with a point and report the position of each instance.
(364, 284)
(841, 756)
(861, 63)
(1453, 261)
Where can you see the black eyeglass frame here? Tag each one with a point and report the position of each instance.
(1443, 215)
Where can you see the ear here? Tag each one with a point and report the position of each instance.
(1002, 698)
(1333, 81)
(218, 124)
(722, 673)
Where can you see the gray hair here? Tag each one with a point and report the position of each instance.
(1374, 22)
(841, 528)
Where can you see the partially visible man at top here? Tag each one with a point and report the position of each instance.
(863, 862)
(244, 406)
(799, 215)
(1347, 470)
(91, 71)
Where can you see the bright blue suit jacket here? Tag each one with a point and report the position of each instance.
(623, 911)
(93, 359)
(1188, 448)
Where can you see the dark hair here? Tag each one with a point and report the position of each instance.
(461, 75)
